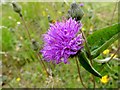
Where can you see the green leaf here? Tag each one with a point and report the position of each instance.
(102, 39)
(97, 51)
(99, 37)
(85, 62)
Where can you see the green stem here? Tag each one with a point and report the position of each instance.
(10, 86)
(86, 43)
(114, 11)
(114, 54)
(111, 57)
(94, 84)
(30, 41)
(89, 53)
(80, 74)
(43, 65)
(26, 27)
(93, 75)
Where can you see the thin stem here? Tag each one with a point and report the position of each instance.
(88, 49)
(43, 65)
(30, 41)
(26, 27)
(86, 43)
(114, 54)
(111, 57)
(94, 84)
(114, 12)
(80, 74)
(10, 86)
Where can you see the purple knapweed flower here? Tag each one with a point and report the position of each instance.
(62, 40)
(81, 4)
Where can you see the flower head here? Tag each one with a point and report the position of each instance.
(18, 79)
(104, 79)
(105, 52)
(81, 4)
(62, 40)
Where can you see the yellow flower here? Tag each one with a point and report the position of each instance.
(106, 51)
(112, 55)
(18, 79)
(83, 29)
(104, 79)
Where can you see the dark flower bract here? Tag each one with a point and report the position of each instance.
(62, 40)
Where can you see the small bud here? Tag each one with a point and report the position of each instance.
(75, 12)
(16, 8)
(35, 45)
(90, 14)
(49, 18)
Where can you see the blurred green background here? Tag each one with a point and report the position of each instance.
(20, 65)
